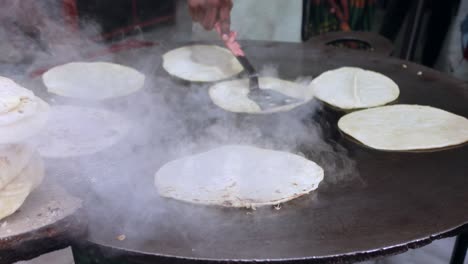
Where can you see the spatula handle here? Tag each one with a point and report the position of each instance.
(251, 72)
(247, 65)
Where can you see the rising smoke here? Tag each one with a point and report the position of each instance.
(171, 119)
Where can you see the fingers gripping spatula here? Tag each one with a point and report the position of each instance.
(265, 98)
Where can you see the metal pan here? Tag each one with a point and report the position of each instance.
(391, 202)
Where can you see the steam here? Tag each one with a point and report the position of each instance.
(171, 119)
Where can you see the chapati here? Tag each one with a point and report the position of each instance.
(76, 131)
(93, 80)
(13, 159)
(233, 95)
(201, 63)
(22, 114)
(405, 127)
(238, 176)
(354, 88)
(15, 193)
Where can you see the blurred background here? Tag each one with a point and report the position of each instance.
(430, 32)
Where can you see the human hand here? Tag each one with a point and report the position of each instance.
(211, 12)
(230, 40)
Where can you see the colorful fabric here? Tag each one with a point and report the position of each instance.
(341, 15)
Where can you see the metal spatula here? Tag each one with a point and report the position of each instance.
(265, 98)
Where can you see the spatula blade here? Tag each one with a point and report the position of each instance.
(268, 98)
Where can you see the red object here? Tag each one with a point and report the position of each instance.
(344, 4)
(342, 16)
(70, 11)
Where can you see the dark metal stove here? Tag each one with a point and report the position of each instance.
(394, 202)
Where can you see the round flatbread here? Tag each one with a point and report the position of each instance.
(238, 176)
(233, 95)
(15, 193)
(201, 63)
(405, 127)
(76, 131)
(93, 80)
(13, 159)
(353, 88)
(22, 114)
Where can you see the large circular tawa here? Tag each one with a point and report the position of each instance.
(396, 201)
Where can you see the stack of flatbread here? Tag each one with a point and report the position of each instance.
(22, 115)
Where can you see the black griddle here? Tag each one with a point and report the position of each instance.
(391, 202)
(33, 242)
